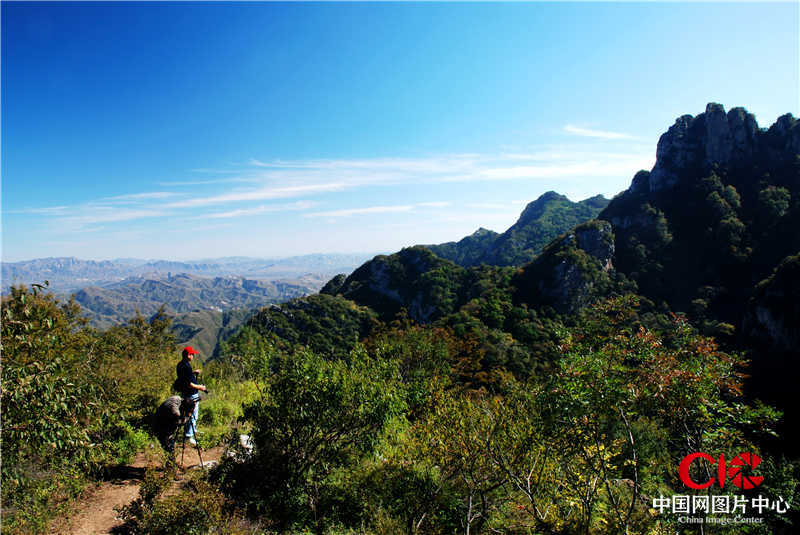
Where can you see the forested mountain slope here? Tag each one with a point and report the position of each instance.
(541, 221)
(716, 215)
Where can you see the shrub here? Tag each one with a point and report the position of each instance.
(196, 510)
(314, 416)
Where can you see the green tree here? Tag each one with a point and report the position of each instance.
(48, 394)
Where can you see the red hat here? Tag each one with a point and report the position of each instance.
(189, 350)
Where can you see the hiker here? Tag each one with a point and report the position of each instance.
(188, 385)
(169, 416)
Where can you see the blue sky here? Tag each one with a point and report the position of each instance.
(183, 130)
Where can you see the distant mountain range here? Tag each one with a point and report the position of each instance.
(208, 299)
(68, 274)
(541, 221)
(183, 293)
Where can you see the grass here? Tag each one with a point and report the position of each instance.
(221, 411)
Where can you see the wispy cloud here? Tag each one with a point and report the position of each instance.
(132, 197)
(379, 209)
(229, 180)
(354, 173)
(358, 211)
(435, 204)
(263, 209)
(590, 167)
(603, 134)
(248, 192)
(47, 210)
(260, 194)
(106, 215)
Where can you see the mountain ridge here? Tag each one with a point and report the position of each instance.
(541, 221)
(183, 293)
(67, 274)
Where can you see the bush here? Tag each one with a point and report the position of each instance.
(314, 416)
(38, 499)
(196, 510)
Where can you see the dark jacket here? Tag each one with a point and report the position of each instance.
(186, 375)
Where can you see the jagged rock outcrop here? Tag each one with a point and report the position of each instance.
(597, 241)
(715, 138)
(782, 140)
(572, 271)
(718, 212)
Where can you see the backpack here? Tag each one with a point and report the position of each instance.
(177, 386)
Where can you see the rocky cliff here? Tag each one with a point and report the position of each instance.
(572, 271)
(718, 139)
(718, 212)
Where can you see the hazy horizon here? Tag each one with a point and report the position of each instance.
(199, 259)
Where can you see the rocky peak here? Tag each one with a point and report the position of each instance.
(712, 138)
(571, 271)
(784, 136)
(334, 285)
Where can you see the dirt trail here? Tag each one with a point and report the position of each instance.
(95, 512)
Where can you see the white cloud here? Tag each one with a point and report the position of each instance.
(355, 173)
(380, 209)
(263, 209)
(107, 214)
(603, 134)
(132, 197)
(358, 211)
(576, 165)
(47, 210)
(257, 195)
(261, 181)
(230, 180)
(435, 204)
